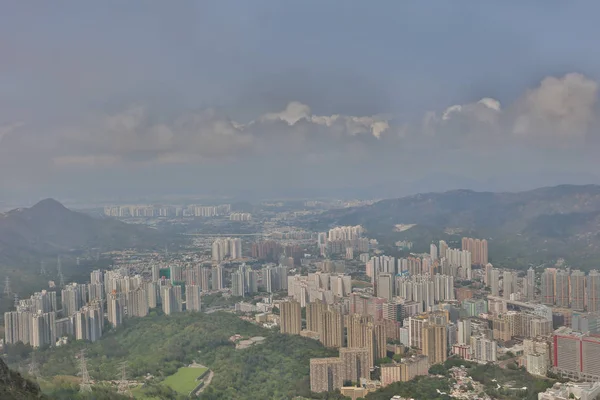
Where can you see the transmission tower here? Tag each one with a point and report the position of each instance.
(85, 385)
(33, 367)
(123, 384)
(7, 290)
(42, 268)
(16, 300)
(61, 278)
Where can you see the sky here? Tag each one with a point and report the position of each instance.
(311, 98)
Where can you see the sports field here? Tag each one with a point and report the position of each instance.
(184, 380)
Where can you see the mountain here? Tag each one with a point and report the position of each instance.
(49, 228)
(14, 387)
(522, 227)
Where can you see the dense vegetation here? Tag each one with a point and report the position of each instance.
(422, 387)
(15, 387)
(159, 345)
(511, 381)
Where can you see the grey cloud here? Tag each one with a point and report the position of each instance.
(560, 108)
(559, 111)
(458, 138)
(134, 135)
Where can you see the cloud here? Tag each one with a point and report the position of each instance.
(559, 109)
(136, 135)
(343, 124)
(461, 137)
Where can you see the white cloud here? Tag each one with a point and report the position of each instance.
(341, 124)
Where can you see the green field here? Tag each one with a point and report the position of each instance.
(184, 380)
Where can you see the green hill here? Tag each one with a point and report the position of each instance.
(159, 345)
(532, 226)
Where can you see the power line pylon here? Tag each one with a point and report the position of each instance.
(43, 268)
(85, 385)
(33, 367)
(123, 384)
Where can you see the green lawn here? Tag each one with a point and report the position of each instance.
(184, 380)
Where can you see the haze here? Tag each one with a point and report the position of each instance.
(295, 98)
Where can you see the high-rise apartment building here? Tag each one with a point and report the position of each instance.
(171, 299)
(435, 343)
(495, 282)
(355, 363)
(137, 303)
(464, 331)
(238, 282)
(593, 291)
(577, 290)
(313, 315)
(404, 371)
(530, 284)
(548, 286)
(155, 272)
(153, 293)
(562, 289)
(290, 317)
(223, 248)
(331, 329)
(433, 252)
(193, 298)
(484, 350)
(326, 374)
(115, 308)
(205, 279)
(385, 286)
(218, 278)
(509, 284)
(73, 297)
(478, 248)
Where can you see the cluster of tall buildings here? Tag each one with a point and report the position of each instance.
(244, 281)
(223, 248)
(455, 262)
(345, 233)
(34, 321)
(478, 249)
(145, 210)
(344, 240)
(318, 286)
(274, 278)
(240, 217)
(110, 295)
(571, 289)
(424, 289)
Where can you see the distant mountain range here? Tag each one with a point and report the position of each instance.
(48, 228)
(522, 227)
